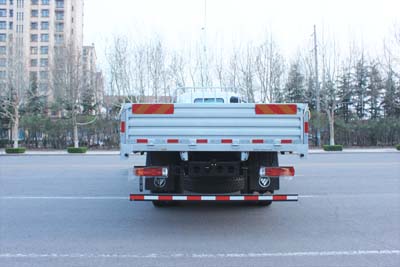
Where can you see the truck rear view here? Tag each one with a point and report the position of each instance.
(212, 151)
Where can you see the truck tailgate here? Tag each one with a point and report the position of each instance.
(214, 127)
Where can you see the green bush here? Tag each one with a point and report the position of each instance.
(81, 149)
(18, 150)
(333, 148)
(398, 147)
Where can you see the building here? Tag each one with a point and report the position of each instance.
(31, 30)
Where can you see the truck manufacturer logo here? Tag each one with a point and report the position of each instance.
(264, 181)
(160, 182)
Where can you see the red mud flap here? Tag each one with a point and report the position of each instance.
(165, 197)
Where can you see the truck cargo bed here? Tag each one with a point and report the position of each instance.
(214, 127)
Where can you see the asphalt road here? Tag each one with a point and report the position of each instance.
(74, 211)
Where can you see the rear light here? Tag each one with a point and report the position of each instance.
(151, 171)
(306, 127)
(122, 127)
(141, 141)
(286, 141)
(258, 141)
(201, 141)
(226, 141)
(276, 171)
(172, 141)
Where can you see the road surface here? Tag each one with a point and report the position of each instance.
(72, 210)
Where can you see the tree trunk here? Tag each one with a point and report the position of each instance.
(75, 130)
(15, 128)
(331, 120)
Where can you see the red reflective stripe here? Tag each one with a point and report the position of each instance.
(122, 127)
(250, 197)
(137, 197)
(193, 198)
(226, 141)
(164, 197)
(153, 109)
(276, 109)
(201, 141)
(141, 141)
(279, 198)
(306, 127)
(222, 198)
(172, 141)
(286, 141)
(257, 141)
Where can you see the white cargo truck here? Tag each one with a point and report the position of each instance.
(212, 146)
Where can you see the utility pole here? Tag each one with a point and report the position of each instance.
(317, 88)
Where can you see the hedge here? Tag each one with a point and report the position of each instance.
(81, 149)
(18, 150)
(398, 147)
(333, 148)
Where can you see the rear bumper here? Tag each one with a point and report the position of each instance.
(213, 198)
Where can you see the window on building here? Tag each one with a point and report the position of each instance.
(44, 25)
(3, 25)
(34, 37)
(44, 62)
(59, 3)
(44, 37)
(3, 12)
(59, 27)
(3, 74)
(3, 50)
(3, 37)
(34, 50)
(20, 16)
(45, 2)
(3, 2)
(3, 62)
(59, 38)
(59, 15)
(44, 75)
(34, 13)
(11, 13)
(34, 62)
(34, 2)
(44, 50)
(45, 13)
(10, 25)
(34, 25)
(33, 76)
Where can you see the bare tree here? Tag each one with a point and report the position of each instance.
(15, 84)
(247, 73)
(269, 69)
(68, 84)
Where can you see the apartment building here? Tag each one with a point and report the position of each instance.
(31, 30)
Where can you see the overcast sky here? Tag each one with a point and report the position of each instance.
(179, 22)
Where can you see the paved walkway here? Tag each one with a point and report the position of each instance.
(116, 152)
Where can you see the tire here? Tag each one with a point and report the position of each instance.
(214, 184)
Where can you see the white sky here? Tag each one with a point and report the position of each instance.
(179, 22)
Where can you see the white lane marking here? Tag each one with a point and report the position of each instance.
(208, 255)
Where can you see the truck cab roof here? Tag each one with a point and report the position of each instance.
(208, 95)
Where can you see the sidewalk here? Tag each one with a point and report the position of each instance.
(116, 152)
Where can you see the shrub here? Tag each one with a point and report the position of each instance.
(333, 148)
(18, 150)
(81, 149)
(398, 147)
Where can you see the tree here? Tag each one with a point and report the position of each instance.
(269, 69)
(294, 88)
(14, 84)
(374, 91)
(360, 83)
